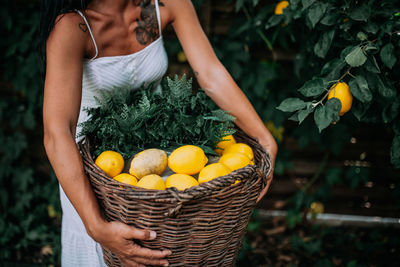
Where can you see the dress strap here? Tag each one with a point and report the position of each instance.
(158, 16)
(90, 32)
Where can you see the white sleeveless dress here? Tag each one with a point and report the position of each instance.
(106, 73)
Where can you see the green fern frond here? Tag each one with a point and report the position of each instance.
(128, 121)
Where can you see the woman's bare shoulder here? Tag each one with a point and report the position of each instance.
(177, 8)
(70, 31)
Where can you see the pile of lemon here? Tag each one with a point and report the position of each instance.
(188, 164)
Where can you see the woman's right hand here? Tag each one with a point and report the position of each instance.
(120, 239)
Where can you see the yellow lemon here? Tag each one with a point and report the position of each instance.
(240, 148)
(280, 7)
(151, 181)
(342, 92)
(111, 162)
(126, 179)
(235, 161)
(187, 159)
(226, 141)
(180, 181)
(149, 161)
(181, 57)
(277, 132)
(317, 207)
(212, 171)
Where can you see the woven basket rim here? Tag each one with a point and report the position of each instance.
(201, 190)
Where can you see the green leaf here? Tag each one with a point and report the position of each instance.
(314, 87)
(362, 36)
(359, 89)
(307, 3)
(255, 2)
(388, 56)
(346, 51)
(273, 21)
(328, 113)
(356, 176)
(239, 5)
(371, 65)
(371, 27)
(385, 89)
(301, 115)
(312, 247)
(291, 104)
(391, 111)
(293, 218)
(316, 12)
(359, 110)
(332, 69)
(361, 13)
(356, 57)
(333, 176)
(396, 127)
(371, 47)
(294, 117)
(324, 43)
(331, 18)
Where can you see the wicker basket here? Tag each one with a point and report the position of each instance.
(202, 226)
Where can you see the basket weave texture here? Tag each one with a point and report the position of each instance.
(202, 226)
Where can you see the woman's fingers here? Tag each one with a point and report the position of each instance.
(139, 256)
(131, 232)
(138, 251)
(130, 263)
(152, 262)
(264, 191)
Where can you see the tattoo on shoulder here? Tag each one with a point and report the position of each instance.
(196, 73)
(147, 29)
(83, 27)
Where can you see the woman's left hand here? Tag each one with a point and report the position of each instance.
(272, 148)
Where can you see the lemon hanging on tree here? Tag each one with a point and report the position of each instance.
(317, 207)
(342, 92)
(280, 7)
(181, 57)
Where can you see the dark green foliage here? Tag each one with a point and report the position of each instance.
(128, 121)
(350, 41)
(27, 189)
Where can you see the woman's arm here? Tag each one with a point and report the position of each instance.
(61, 105)
(214, 78)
